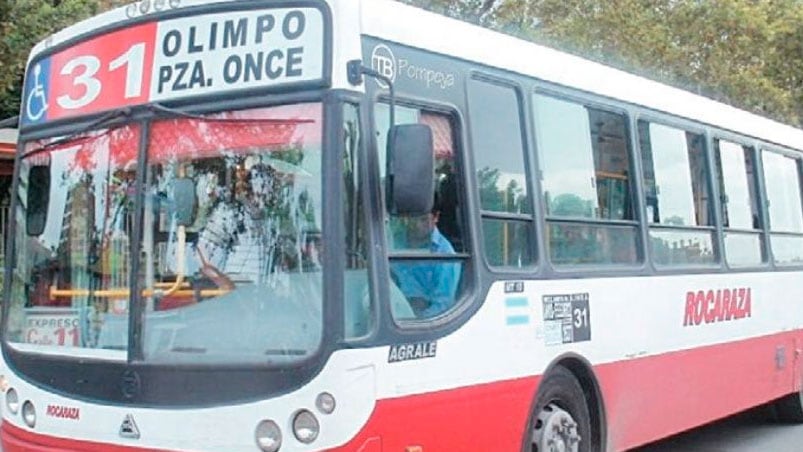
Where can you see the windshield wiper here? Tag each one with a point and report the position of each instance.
(104, 120)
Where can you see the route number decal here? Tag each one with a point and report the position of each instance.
(567, 318)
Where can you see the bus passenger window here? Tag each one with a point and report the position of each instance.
(782, 180)
(427, 253)
(735, 171)
(677, 195)
(585, 169)
(502, 177)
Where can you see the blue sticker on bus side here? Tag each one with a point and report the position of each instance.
(35, 97)
(517, 311)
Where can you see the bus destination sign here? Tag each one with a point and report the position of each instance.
(175, 59)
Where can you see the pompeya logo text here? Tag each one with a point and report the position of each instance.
(717, 306)
(384, 61)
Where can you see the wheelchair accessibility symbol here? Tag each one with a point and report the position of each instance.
(36, 104)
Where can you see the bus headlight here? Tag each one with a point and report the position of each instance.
(12, 401)
(306, 427)
(325, 403)
(268, 436)
(29, 414)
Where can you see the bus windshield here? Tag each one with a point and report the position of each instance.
(229, 268)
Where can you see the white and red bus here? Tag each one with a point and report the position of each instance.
(353, 225)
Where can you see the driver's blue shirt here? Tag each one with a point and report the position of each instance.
(434, 281)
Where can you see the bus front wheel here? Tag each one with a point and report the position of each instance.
(561, 420)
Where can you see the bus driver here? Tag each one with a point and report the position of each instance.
(430, 286)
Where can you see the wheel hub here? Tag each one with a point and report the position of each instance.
(555, 431)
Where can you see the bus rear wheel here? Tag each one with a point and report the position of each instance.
(561, 420)
(790, 408)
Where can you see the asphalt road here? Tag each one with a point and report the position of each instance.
(753, 431)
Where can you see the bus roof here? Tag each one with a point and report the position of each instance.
(393, 21)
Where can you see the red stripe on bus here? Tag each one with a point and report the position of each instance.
(646, 398)
(484, 417)
(653, 397)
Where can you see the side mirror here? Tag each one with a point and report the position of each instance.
(411, 170)
(184, 201)
(38, 200)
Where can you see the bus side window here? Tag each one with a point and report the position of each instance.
(426, 252)
(503, 180)
(738, 200)
(678, 196)
(782, 180)
(587, 185)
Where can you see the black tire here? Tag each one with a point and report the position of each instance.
(790, 408)
(561, 388)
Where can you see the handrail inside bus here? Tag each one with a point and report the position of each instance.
(177, 288)
(123, 293)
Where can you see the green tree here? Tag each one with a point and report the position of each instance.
(24, 23)
(476, 11)
(785, 66)
(571, 205)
